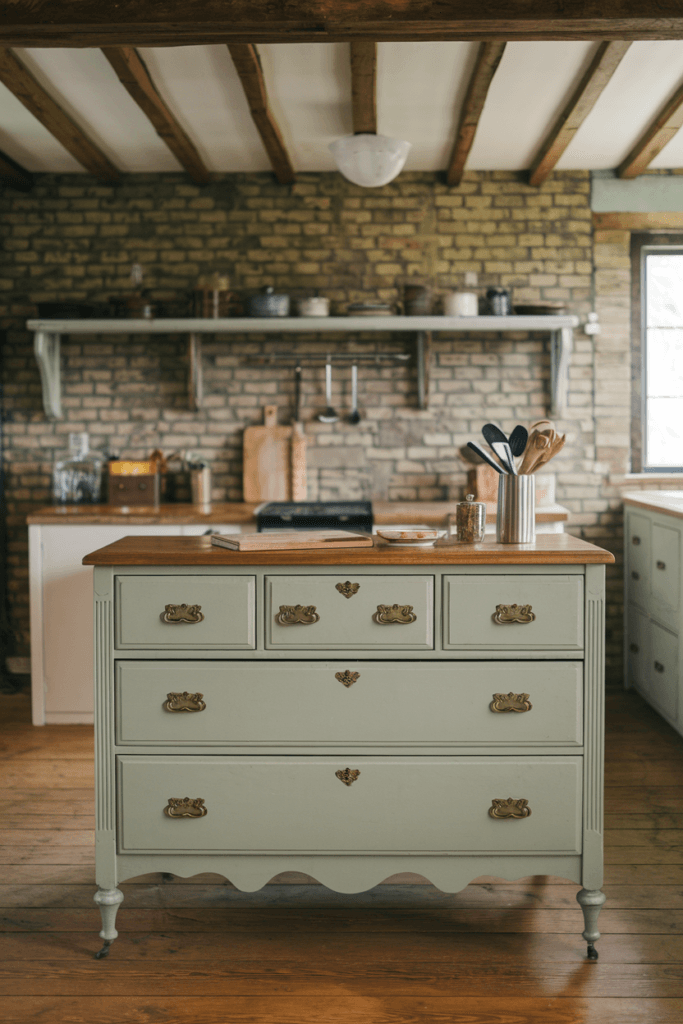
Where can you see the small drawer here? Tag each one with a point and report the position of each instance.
(350, 804)
(661, 683)
(513, 612)
(353, 612)
(665, 572)
(185, 612)
(638, 541)
(349, 704)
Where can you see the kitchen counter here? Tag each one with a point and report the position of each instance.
(668, 502)
(556, 549)
(386, 513)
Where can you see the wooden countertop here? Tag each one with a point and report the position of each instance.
(670, 503)
(553, 549)
(386, 513)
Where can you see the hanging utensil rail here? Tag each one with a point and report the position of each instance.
(341, 357)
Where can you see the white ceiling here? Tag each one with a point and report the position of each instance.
(420, 89)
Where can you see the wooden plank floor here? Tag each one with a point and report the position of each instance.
(198, 951)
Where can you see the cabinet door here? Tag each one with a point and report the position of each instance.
(665, 572)
(638, 543)
(662, 677)
(637, 658)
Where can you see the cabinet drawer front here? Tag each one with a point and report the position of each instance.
(513, 612)
(185, 612)
(665, 572)
(385, 612)
(398, 804)
(661, 684)
(356, 703)
(638, 543)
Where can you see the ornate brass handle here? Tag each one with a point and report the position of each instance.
(394, 614)
(347, 589)
(659, 667)
(510, 808)
(348, 775)
(504, 702)
(179, 613)
(185, 807)
(635, 540)
(297, 615)
(184, 702)
(506, 614)
(661, 565)
(635, 575)
(633, 648)
(346, 677)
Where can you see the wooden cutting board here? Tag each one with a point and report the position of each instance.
(267, 460)
(292, 540)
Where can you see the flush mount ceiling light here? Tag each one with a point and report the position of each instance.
(369, 160)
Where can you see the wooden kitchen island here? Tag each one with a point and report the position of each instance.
(349, 714)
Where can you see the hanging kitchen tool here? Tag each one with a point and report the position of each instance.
(354, 415)
(330, 414)
(297, 446)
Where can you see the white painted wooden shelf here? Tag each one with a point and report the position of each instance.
(48, 333)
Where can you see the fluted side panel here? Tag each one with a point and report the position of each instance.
(594, 712)
(104, 713)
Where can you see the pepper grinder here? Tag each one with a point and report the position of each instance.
(470, 521)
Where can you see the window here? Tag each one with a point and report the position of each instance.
(662, 358)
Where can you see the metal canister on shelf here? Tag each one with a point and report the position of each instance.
(500, 301)
(469, 521)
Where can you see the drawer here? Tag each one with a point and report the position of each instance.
(637, 641)
(665, 572)
(218, 612)
(350, 612)
(349, 703)
(661, 682)
(638, 544)
(480, 612)
(396, 804)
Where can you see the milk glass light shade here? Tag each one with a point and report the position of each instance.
(369, 160)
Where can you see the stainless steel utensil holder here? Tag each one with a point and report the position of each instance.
(516, 513)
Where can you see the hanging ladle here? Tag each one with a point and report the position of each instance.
(330, 415)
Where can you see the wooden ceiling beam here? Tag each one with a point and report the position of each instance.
(179, 23)
(35, 98)
(13, 175)
(602, 67)
(364, 86)
(248, 66)
(488, 59)
(653, 141)
(135, 78)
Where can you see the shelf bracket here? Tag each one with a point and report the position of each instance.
(423, 351)
(561, 343)
(195, 377)
(46, 348)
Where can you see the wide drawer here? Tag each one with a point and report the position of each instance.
(399, 804)
(185, 612)
(350, 612)
(349, 703)
(514, 612)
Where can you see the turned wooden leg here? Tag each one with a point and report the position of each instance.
(108, 900)
(591, 901)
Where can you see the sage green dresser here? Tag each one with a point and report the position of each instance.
(349, 714)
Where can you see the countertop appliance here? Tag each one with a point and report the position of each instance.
(315, 515)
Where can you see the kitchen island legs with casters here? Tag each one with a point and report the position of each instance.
(349, 721)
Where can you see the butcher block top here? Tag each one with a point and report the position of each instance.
(553, 549)
(670, 503)
(238, 513)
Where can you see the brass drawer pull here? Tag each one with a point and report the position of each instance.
(347, 589)
(185, 807)
(297, 615)
(510, 808)
(661, 565)
(659, 667)
(348, 775)
(179, 613)
(504, 702)
(635, 575)
(634, 648)
(184, 702)
(394, 614)
(635, 540)
(509, 613)
(346, 677)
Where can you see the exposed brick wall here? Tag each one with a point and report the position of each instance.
(73, 239)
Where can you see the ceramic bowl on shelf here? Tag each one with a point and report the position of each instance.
(410, 538)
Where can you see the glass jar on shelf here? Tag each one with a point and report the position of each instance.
(77, 473)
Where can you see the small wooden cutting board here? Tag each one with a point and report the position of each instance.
(290, 540)
(267, 460)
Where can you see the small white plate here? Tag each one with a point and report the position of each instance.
(410, 538)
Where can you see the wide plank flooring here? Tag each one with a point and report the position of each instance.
(197, 951)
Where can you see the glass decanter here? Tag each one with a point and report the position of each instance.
(77, 473)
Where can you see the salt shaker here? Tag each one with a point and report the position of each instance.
(470, 520)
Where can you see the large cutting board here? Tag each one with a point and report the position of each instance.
(267, 460)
